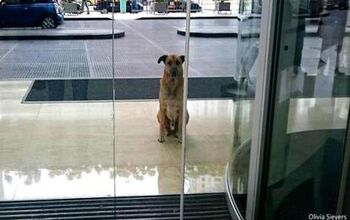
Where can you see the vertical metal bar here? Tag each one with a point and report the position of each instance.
(113, 118)
(345, 171)
(184, 106)
(260, 107)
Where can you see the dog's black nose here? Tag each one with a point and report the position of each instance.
(173, 72)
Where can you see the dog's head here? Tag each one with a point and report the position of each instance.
(173, 66)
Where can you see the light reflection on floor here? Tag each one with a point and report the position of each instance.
(65, 150)
(43, 183)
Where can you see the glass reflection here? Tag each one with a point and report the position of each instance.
(310, 111)
(56, 139)
(206, 178)
(245, 76)
(81, 182)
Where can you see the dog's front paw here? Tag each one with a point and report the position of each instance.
(161, 139)
(179, 139)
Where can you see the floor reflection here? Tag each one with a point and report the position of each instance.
(204, 179)
(307, 116)
(44, 184)
(66, 149)
(98, 181)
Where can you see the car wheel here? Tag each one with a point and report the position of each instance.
(48, 23)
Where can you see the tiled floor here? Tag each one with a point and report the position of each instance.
(59, 150)
(66, 149)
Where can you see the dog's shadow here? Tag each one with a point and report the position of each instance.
(172, 140)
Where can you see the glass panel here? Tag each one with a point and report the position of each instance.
(344, 194)
(148, 100)
(245, 79)
(219, 129)
(56, 137)
(310, 110)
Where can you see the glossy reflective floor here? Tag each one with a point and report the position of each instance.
(61, 150)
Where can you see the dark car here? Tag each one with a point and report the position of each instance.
(341, 4)
(30, 13)
(180, 6)
(131, 6)
(315, 7)
(310, 8)
(195, 7)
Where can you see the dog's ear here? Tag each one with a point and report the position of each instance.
(162, 58)
(182, 57)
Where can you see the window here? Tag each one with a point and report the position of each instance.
(13, 2)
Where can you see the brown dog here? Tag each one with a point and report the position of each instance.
(171, 97)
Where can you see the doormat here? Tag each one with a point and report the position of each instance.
(125, 89)
(196, 206)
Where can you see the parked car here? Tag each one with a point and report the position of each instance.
(30, 13)
(195, 7)
(315, 7)
(341, 4)
(107, 6)
(180, 6)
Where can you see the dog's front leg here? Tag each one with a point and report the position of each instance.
(161, 118)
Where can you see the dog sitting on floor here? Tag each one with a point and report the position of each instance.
(171, 97)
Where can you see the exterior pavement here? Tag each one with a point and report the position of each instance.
(136, 54)
(58, 34)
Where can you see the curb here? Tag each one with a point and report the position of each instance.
(63, 37)
(181, 17)
(87, 19)
(209, 34)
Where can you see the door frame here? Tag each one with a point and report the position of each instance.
(344, 191)
(261, 116)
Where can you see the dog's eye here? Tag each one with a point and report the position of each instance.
(169, 63)
(177, 62)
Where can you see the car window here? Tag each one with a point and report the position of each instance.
(40, 1)
(27, 1)
(33, 1)
(13, 2)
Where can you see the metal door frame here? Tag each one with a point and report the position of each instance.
(261, 106)
(345, 176)
(184, 106)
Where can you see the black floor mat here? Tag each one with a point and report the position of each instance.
(102, 89)
(166, 207)
(201, 88)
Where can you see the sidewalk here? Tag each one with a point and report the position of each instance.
(96, 15)
(59, 34)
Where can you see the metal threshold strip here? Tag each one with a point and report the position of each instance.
(197, 206)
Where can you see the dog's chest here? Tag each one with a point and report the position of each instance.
(172, 107)
(171, 93)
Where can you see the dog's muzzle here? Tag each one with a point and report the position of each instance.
(173, 72)
(172, 125)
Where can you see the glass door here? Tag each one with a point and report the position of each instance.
(56, 112)
(304, 110)
(343, 205)
(149, 81)
(248, 49)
